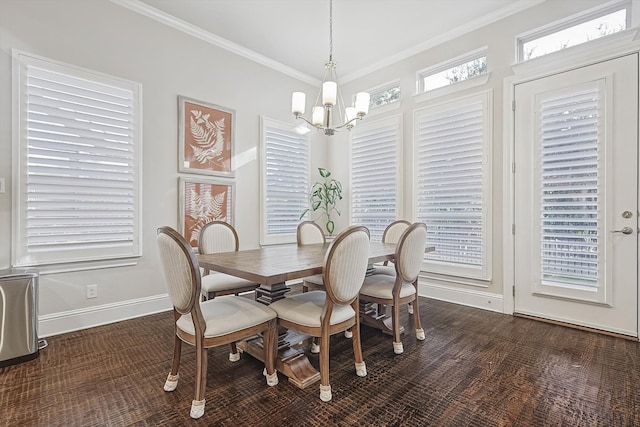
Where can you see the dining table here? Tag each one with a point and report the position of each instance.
(272, 267)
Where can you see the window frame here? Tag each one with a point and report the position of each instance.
(482, 273)
(265, 125)
(457, 61)
(569, 22)
(394, 121)
(78, 259)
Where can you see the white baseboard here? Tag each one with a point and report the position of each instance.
(469, 297)
(74, 320)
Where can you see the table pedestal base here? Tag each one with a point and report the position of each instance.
(375, 315)
(291, 360)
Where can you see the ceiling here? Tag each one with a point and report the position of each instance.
(293, 35)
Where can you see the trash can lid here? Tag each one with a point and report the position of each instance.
(13, 273)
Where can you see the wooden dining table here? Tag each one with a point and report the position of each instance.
(272, 267)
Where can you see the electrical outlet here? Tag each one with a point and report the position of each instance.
(2, 187)
(92, 291)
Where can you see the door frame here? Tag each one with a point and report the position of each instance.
(580, 56)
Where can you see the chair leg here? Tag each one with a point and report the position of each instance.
(361, 367)
(172, 379)
(416, 315)
(234, 356)
(325, 387)
(197, 405)
(397, 341)
(410, 308)
(270, 337)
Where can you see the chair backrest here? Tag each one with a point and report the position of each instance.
(180, 269)
(345, 265)
(410, 252)
(308, 232)
(394, 230)
(217, 236)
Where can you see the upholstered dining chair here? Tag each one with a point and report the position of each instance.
(308, 233)
(325, 313)
(215, 237)
(206, 324)
(403, 287)
(392, 234)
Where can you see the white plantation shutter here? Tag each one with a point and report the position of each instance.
(569, 201)
(453, 185)
(77, 167)
(374, 175)
(285, 181)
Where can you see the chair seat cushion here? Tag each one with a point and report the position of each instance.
(305, 309)
(381, 286)
(315, 280)
(221, 282)
(389, 270)
(228, 314)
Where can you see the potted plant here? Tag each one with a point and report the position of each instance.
(323, 197)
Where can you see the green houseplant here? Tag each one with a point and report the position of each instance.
(324, 196)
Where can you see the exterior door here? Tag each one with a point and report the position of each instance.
(576, 196)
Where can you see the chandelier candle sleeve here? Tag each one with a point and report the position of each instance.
(317, 116)
(329, 93)
(362, 103)
(297, 102)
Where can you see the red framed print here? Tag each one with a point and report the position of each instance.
(203, 201)
(206, 138)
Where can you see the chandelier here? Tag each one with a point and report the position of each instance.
(323, 115)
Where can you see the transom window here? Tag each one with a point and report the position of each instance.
(573, 31)
(465, 67)
(384, 95)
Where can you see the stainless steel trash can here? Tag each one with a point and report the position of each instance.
(18, 315)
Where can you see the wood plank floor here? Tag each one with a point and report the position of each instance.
(476, 368)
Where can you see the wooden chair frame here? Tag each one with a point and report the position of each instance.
(202, 343)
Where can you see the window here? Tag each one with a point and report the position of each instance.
(383, 95)
(77, 164)
(573, 31)
(375, 175)
(453, 184)
(285, 181)
(465, 67)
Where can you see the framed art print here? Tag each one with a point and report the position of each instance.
(203, 200)
(206, 138)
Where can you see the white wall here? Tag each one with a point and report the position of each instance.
(105, 37)
(108, 38)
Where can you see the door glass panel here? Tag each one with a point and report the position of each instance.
(569, 127)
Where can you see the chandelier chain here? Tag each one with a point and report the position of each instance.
(330, 30)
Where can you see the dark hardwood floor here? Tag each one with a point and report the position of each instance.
(476, 368)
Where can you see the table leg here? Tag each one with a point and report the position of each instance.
(291, 360)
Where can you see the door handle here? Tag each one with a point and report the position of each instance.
(625, 230)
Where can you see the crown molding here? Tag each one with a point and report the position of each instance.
(195, 31)
(513, 8)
